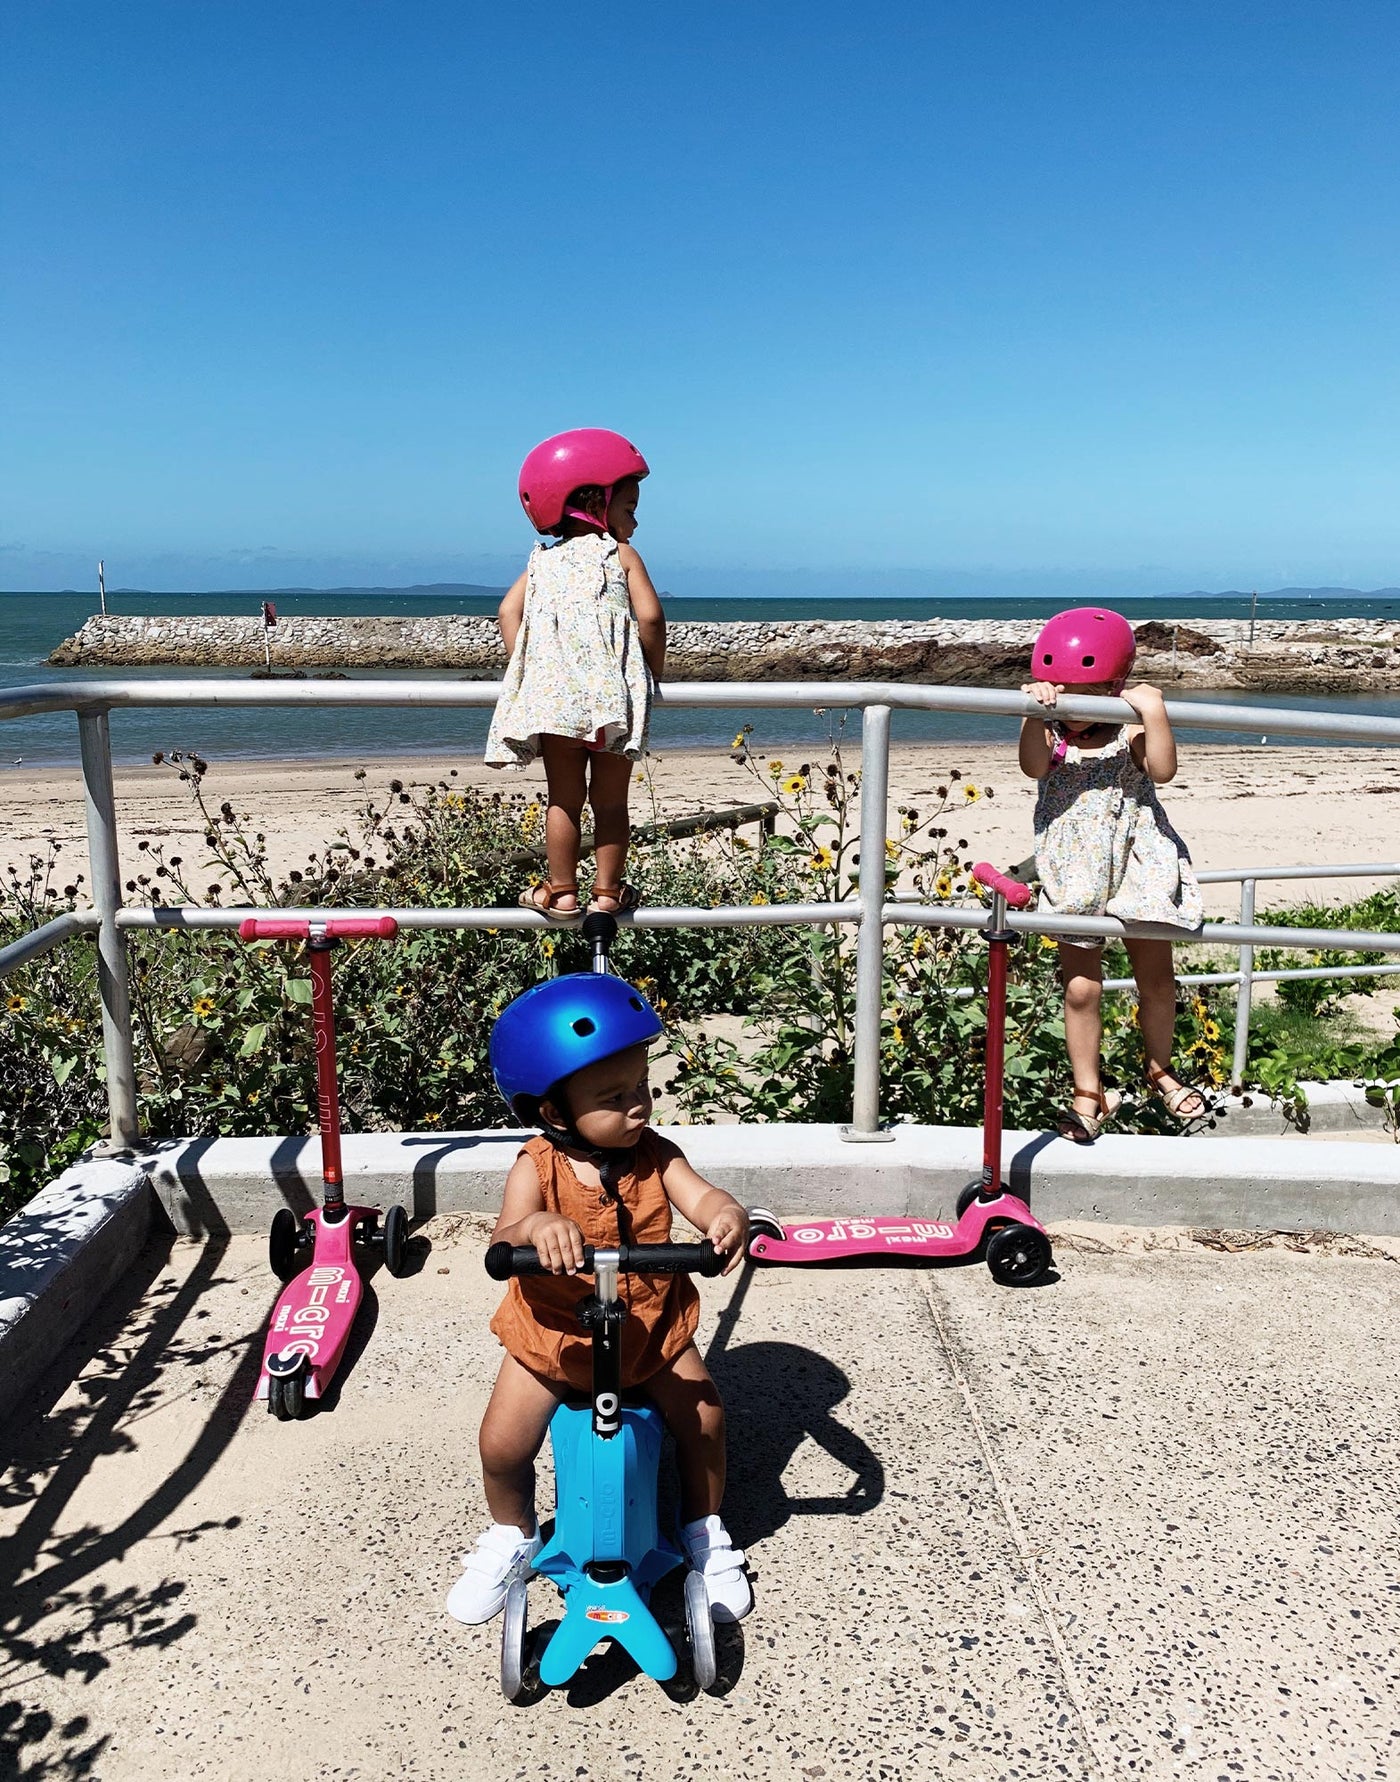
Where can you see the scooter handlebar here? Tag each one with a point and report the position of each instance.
(505, 1260)
(1016, 894)
(253, 928)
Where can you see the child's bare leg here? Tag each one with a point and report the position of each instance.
(688, 1399)
(609, 779)
(1081, 970)
(1153, 967)
(565, 773)
(512, 1432)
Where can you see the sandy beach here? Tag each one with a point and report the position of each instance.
(1234, 806)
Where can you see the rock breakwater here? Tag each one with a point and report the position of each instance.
(1312, 656)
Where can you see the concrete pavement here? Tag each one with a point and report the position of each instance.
(1139, 1522)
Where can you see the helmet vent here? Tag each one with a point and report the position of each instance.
(1088, 662)
(583, 1026)
(636, 1002)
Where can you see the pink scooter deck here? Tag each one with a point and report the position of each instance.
(816, 1241)
(317, 1307)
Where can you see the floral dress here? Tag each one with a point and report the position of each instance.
(1103, 845)
(577, 668)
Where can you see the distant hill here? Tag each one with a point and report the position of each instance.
(1288, 594)
(453, 589)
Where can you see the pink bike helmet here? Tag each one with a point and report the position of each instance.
(1084, 646)
(584, 457)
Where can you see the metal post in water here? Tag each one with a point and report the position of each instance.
(102, 586)
(1246, 991)
(870, 943)
(94, 741)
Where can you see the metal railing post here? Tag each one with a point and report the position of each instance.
(870, 941)
(1246, 991)
(113, 986)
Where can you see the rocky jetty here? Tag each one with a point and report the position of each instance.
(1316, 655)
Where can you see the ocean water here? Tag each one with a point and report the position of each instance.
(31, 625)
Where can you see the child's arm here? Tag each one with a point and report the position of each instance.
(1036, 750)
(524, 1220)
(713, 1213)
(510, 612)
(1154, 748)
(646, 610)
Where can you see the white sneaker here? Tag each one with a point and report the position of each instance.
(500, 1556)
(721, 1564)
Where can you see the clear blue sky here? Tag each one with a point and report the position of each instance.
(950, 295)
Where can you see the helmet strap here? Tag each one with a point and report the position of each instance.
(609, 1162)
(578, 513)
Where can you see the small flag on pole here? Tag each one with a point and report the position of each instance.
(269, 613)
(269, 620)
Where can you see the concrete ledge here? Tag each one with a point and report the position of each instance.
(210, 1186)
(58, 1257)
(1332, 1107)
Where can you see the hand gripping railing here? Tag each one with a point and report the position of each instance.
(872, 909)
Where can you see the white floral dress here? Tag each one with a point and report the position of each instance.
(1103, 845)
(577, 668)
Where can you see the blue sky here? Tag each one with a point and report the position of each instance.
(919, 298)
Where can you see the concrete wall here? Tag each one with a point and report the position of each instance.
(215, 1185)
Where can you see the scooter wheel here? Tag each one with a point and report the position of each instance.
(968, 1195)
(701, 1630)
(287, 1248)
(513, 1630)
(286, 1398)
(395, 1240)
(762, 1223)
(1018, 1255)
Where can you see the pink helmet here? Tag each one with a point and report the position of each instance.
(1084, 646)
(574, 460)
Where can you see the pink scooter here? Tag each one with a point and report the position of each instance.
(314, 1254)
(989, 1217)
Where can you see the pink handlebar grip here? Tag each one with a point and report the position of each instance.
(338, 928)
(1015, 893)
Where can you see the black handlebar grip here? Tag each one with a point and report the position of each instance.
(671, 1259)
(505, 1260)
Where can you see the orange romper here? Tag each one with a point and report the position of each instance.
(537, 1321)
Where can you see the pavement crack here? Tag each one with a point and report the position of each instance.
(1027, 1554)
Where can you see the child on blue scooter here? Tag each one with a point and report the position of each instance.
(570, 1055)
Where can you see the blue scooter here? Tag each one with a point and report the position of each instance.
(607, 1550)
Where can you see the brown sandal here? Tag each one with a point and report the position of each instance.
(542, 899)
(1083, 1129)
(613, 903)
(1175, 1100)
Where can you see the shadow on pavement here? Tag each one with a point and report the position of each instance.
(121, 1360)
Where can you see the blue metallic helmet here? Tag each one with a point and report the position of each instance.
(561, 1026)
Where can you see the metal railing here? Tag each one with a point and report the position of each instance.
(873, 909)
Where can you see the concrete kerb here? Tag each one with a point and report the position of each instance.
(1234, 1183)
(1330, 1107)
(59, 1257)
(76, 1238)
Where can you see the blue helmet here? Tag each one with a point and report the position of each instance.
(561, 1026)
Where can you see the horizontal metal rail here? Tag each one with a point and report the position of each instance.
(1364, 869)
(59, 696)
(871, 911)
(41, 940)
(783, 915)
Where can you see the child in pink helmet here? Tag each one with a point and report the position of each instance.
(1103, 846)
(586, 637)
